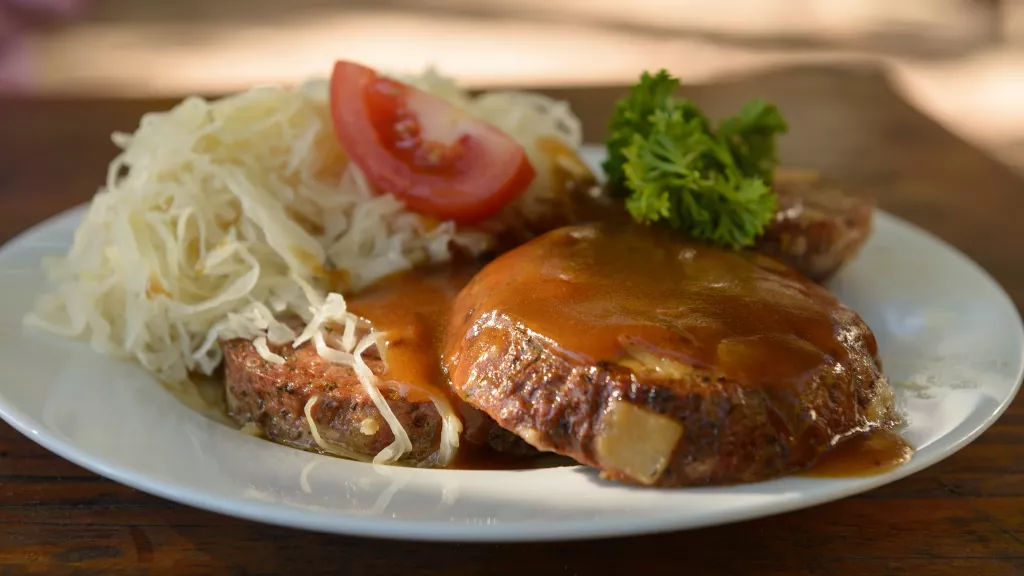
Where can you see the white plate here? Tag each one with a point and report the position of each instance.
(941, 321)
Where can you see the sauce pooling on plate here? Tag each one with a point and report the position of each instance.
(864, 454)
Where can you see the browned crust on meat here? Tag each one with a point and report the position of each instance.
(817, 228)
(273, 397)
(732, 432)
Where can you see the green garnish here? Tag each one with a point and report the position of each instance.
(673, 167)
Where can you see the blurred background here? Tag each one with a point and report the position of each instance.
(960, 61)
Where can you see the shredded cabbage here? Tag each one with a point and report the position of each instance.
(219, 218)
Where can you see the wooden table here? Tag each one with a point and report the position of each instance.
(963, 517)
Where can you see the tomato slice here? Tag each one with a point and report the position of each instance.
(431, 155)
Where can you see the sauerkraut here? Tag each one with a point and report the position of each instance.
(220, 218)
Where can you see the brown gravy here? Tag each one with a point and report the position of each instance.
(865, 454)
(597, 291)
(568, 172)
(411, 309)
(774, 329)
(621, 294)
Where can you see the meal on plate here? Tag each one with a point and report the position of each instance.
(392, 270)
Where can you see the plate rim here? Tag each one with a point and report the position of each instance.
(282, 514)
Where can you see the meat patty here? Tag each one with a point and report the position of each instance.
(273, 397)
(817, 228)
(410, 309)
(663, 362)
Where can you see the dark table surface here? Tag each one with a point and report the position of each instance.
(964, 516)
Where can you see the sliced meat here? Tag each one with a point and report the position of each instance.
(663, 362)
(410, 310)
(817, 228)
(273, 397)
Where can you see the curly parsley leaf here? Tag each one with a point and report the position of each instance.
(675, 169)
(684, 176)
(632, 116)
(751, 138)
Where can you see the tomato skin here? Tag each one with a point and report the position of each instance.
(429, 154)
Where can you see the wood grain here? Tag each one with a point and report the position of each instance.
(962, 516)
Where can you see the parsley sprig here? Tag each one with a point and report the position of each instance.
(674, 168)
